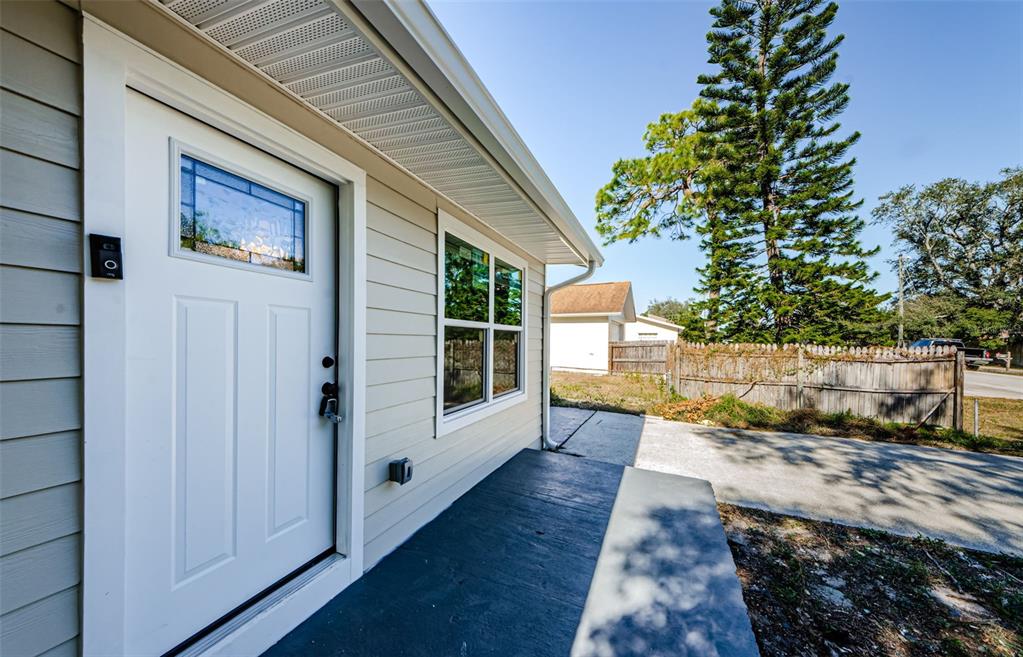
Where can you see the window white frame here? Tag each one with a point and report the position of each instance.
(112, 64)
(456, 419)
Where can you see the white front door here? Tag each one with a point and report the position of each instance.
(229, 263)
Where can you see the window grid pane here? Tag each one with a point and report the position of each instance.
(506, 361)
(507, 294)
(464, 367)
(466, 281)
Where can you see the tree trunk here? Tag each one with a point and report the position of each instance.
(710, 326)
(769, 206)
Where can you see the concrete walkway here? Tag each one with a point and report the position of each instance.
(971, 499)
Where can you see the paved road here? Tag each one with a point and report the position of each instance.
(971, 499)
(991, 384)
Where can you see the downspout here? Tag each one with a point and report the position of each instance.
(591, 267)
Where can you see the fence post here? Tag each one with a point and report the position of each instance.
(610, 358)
(669, 366)
(799, 375)
(960, 384)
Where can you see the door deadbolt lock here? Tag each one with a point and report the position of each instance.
(329, 403)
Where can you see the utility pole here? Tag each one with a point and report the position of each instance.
(902, 310)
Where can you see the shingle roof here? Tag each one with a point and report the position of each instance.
(607, 298)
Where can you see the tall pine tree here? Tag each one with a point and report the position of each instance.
(672, 192)
(794, 233)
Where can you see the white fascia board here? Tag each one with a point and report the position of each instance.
(418, 37)
(656, 322)
(557, 315)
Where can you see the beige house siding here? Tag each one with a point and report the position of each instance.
(401, 320)
(40, 328)
(40, 321)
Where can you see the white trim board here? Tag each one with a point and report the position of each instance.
(111, 64)
(662, 323)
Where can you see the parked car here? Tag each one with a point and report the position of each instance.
(975, 356)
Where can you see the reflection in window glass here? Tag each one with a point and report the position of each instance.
(506, 361)
(464, 360)
(228, 216)
(466, 281)
(507, 294)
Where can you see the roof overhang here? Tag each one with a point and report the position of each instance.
(663, 323)
(570, 315)
(387, 72)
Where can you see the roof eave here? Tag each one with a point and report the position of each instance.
(656, 322)
(416, 35)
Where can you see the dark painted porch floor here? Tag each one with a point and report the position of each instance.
(509, 567)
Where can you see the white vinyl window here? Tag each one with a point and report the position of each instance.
(481, 342)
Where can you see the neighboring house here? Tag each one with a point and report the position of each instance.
(329, 234)
(652, 327)
(584, 318)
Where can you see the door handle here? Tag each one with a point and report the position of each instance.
(329, 403)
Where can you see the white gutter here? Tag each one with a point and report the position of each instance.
(547, 443)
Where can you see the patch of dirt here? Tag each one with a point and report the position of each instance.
(820, 589)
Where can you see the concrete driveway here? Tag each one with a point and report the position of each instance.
(971, 499)
(992, 384)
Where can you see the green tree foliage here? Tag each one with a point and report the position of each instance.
(790, 183)
(963, 248)
(754, 168)
(671, 193)
(948, 316)
(684, 313)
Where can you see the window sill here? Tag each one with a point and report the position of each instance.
(463, 418)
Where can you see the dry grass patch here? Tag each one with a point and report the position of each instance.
(1001, 419)
(622, 393)
(816, 588)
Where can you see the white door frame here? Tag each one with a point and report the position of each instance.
(112, 63)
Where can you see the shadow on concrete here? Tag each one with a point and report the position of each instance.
(665, 584)
(968, 498)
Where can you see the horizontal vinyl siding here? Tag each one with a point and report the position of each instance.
(402, 383)
(40, 329)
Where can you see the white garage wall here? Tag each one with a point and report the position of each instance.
(634, 329)
(579, 343)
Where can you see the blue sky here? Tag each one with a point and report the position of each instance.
(936, 89)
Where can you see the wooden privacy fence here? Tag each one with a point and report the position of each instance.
(638, 357)
(913, 385)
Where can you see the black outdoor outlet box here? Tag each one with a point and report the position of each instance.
(105, 256)
(400, 471)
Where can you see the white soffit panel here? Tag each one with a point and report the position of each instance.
(314, 52)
